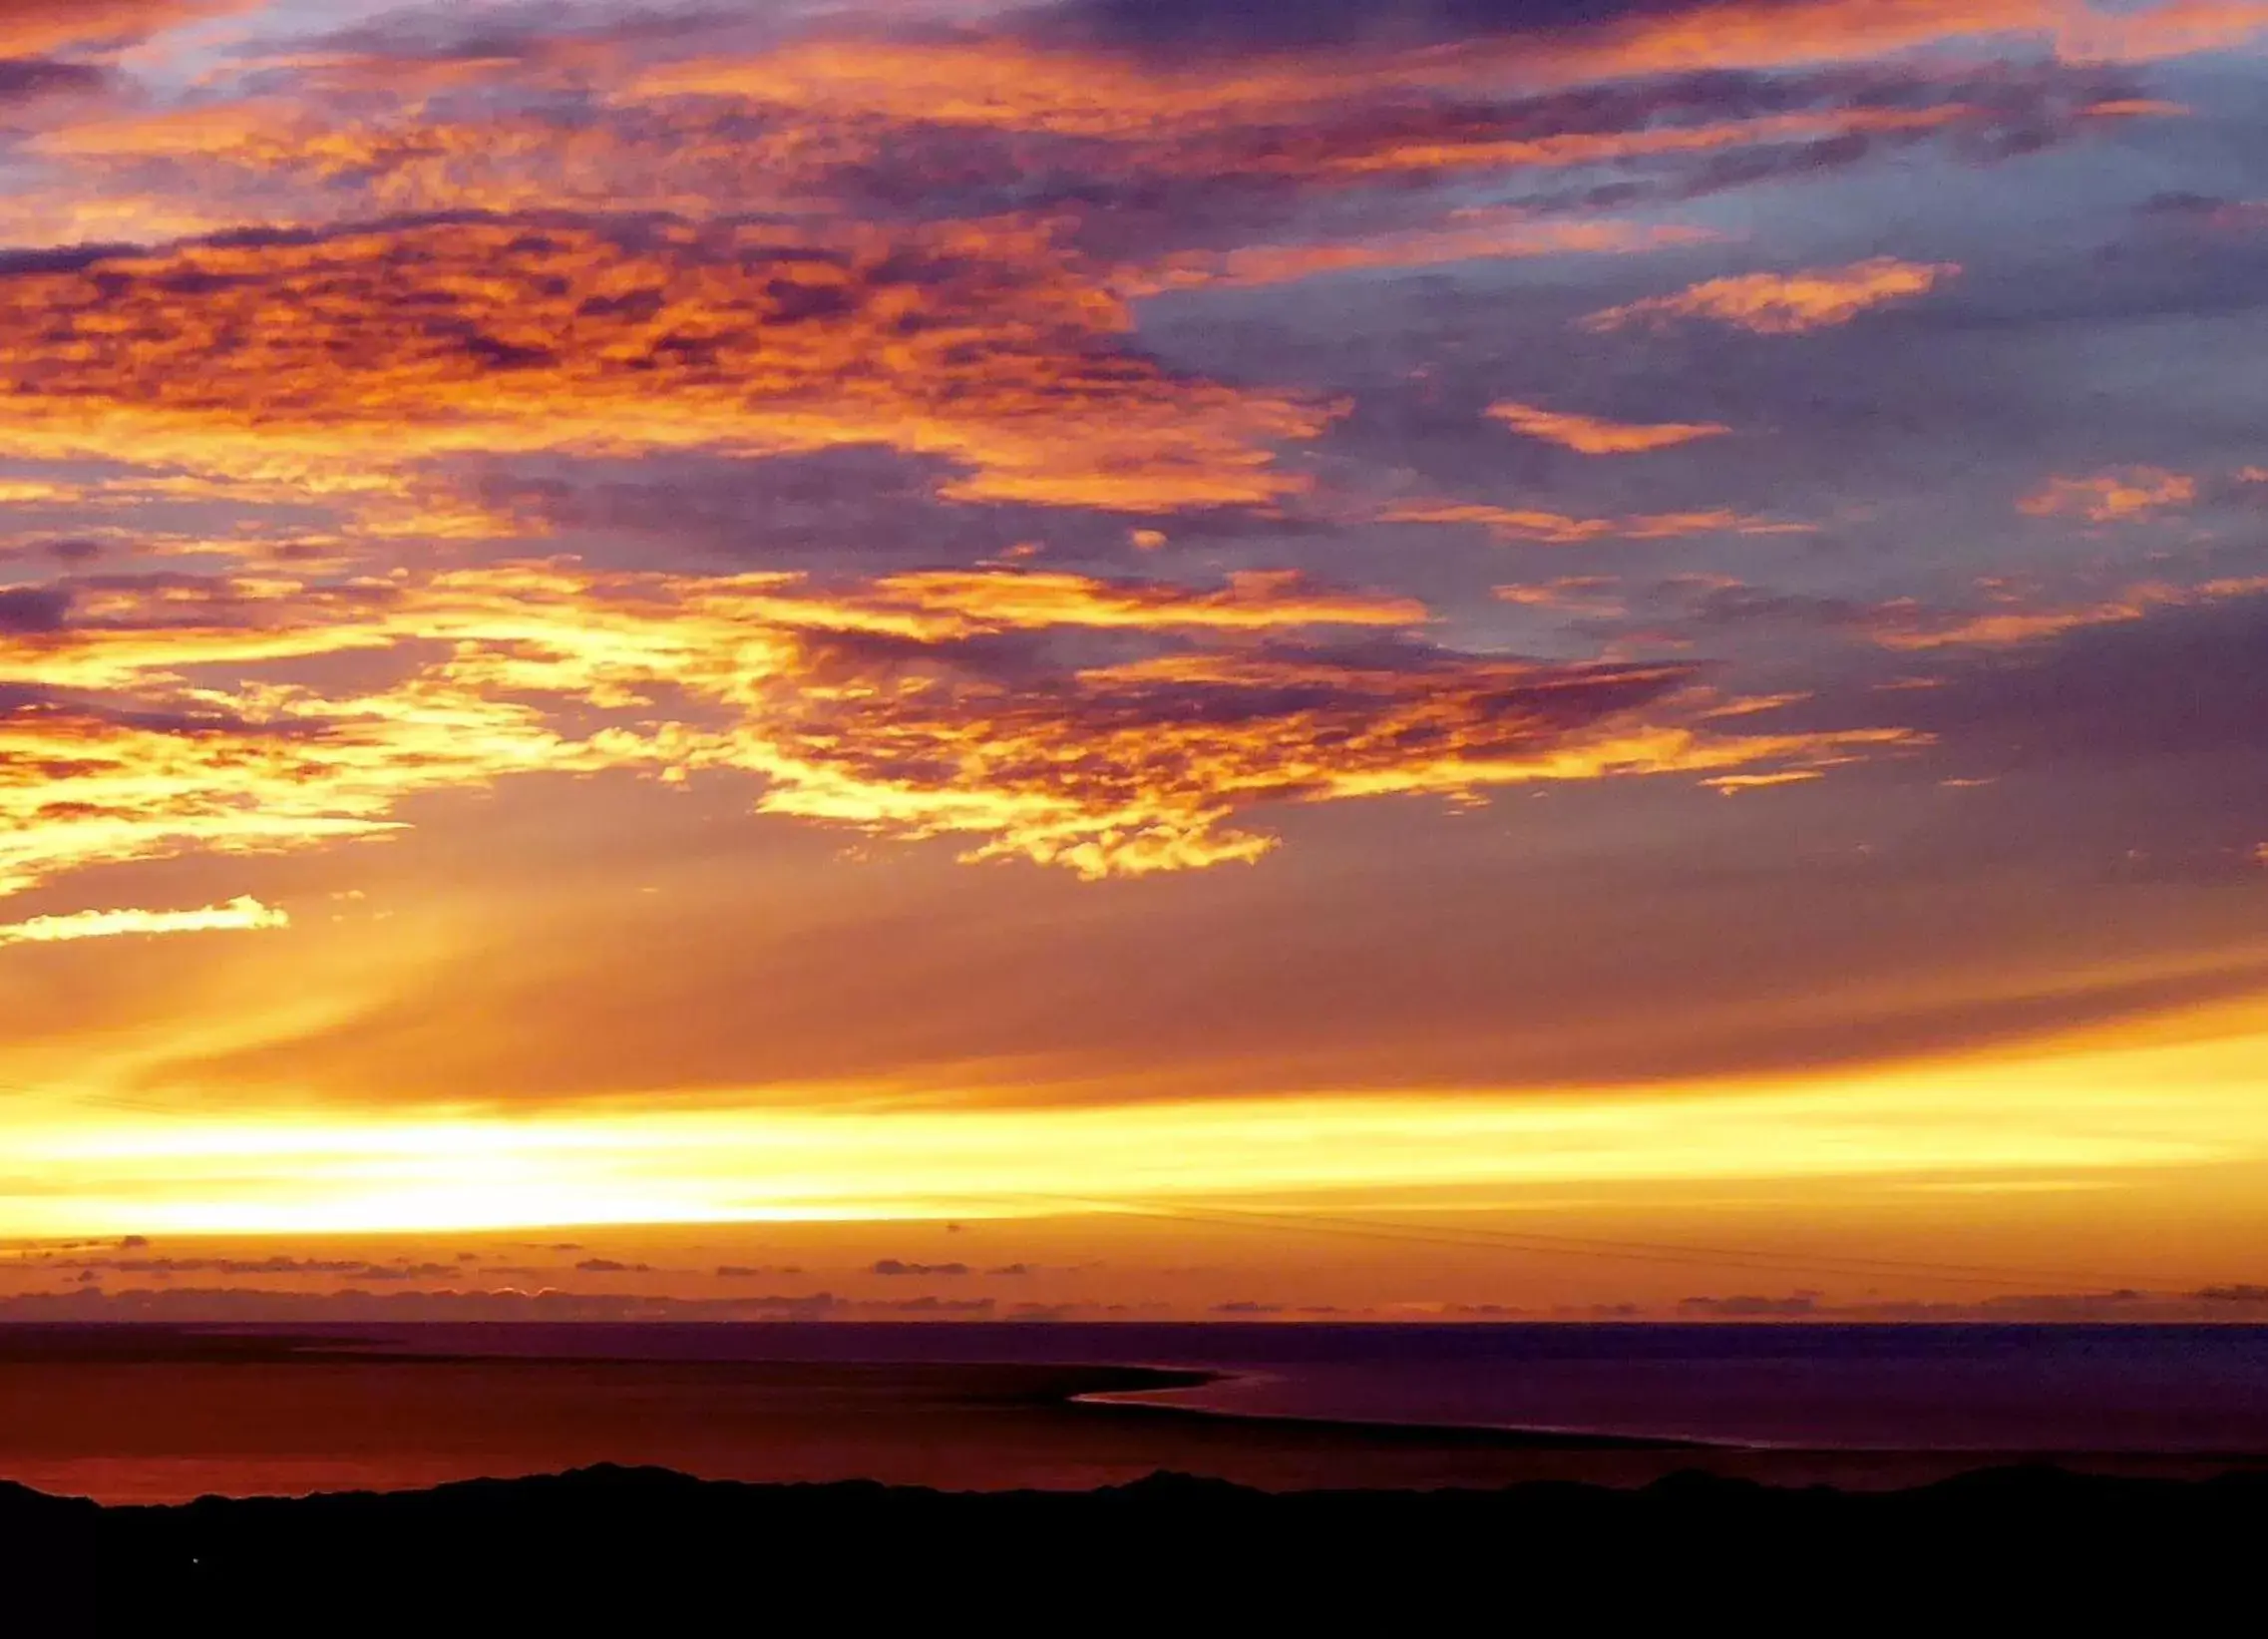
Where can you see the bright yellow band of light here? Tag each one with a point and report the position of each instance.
(2190, 1103)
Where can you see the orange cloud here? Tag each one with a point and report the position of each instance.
(1000, 84)
(19, 491)
(1482, 235)
(2177, 28)
(1562, 148)
(1558, 529)
(2111, 497)
(241, 915)
(1910, 627)
(29, 27)
(1253, 600)
(1784, 303)
(1146, 766)
(997, 84)
(1731, 784)
(179, 133)
(1575, 594)
(1588, 435)
(1759, 36)
(332, 136)
(194, 718)
(307, 158)
(2136, 107)
(975, 343)
(338, 137)
(132, 632)
(264, 768)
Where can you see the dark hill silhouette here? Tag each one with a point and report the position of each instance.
(649, 1551)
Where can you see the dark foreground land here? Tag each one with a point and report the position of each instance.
(649, 1551)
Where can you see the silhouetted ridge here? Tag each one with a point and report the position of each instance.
(670, 1554)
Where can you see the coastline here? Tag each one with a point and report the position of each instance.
(1519, 1436)
(164, 1414)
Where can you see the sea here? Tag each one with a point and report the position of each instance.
(164, 1414)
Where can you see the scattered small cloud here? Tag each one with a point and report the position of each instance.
(1560, 529)
(1593, 435)
(1748, 1306)
(2111, 497)
(280, 1264)
(241, 915)
(1780, 305)
(929, 1306)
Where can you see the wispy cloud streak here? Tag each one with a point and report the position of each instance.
(241, 914)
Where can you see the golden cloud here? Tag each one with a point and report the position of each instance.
(333, 137)
(1590, 435)
(1588, 595)
(996, 83)
(1146, 767)
(1778, 304)
(1911, 627)
(2111, 497)
(1765, 35)
(169, 714)
(241, 915)
(979, 344)
(1470, 237)
(1558, 150)
(1561, 530)
(29, 27)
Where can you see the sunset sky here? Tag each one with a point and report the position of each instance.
(1366, 656)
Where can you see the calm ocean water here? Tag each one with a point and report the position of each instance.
(157, 1415)
(2005, 1389)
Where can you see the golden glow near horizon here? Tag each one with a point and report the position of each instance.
(1026, 612)
(2092, 1107)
